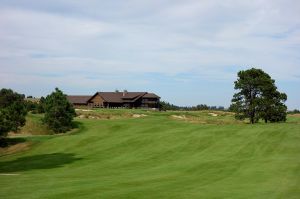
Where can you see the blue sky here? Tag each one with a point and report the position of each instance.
(188, 52)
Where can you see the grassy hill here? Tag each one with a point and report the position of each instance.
(142, 154)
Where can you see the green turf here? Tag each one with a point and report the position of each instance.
(158, 156)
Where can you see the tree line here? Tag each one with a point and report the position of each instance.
(58, 112)
(257, 98)
(168, 106)
(295, 111)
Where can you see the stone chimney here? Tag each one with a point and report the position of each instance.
(124, 92)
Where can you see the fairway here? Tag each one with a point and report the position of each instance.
(157, 155)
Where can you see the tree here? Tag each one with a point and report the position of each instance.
(59, 113)
(295, 111)
(31, 106)
(167, 106)
(257, 97)
(272, 106)
(202, 107)
(12, 111)
(41, 105)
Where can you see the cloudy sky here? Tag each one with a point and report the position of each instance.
(187, 51)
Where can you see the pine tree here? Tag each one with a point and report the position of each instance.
(258, 98)
(12, 111)
(59, 113)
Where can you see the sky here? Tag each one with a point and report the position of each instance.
(188, 52)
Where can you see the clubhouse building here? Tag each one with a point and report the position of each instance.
(116, 100)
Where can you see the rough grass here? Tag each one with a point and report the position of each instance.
(34, 126)
(112, 113)
(158, 157)
(14, 145)
(206, 117)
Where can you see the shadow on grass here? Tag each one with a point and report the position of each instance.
(44, 161)
(79, 126)
(6, 142)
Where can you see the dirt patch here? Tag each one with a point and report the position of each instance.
(81, 116)
(107, 116)
(84, 110)
(138, 115)
(213, 114)
(9, 174)
(15, 148)
(295, 115)
(218, 118)
(91, 116)
(179, 116)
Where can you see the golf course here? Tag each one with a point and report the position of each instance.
(150, 154)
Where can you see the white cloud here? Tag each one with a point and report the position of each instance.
(208, 39)
(25, 32)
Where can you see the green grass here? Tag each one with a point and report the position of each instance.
(35, 126)
(157, 156)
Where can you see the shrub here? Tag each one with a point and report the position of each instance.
(59, 113)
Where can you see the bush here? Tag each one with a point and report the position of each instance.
(12, 111)
(31, 106)
(59, 113)
(41, 105)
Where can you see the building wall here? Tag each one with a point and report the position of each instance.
(97, 101)
(150, 103)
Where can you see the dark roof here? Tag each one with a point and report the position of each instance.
(119, 97)
(113, 97)
(150, 95)
(78, 99)
(132, 95)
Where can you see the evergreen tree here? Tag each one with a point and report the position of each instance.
(258, 98)
(41, 105)
(31, 106)
(12, 111)
(167, 106)
(272, 106)
(59, 113)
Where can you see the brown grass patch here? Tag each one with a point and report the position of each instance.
(295, 115)
(208, 117)
(106, 116)
(14, 148)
